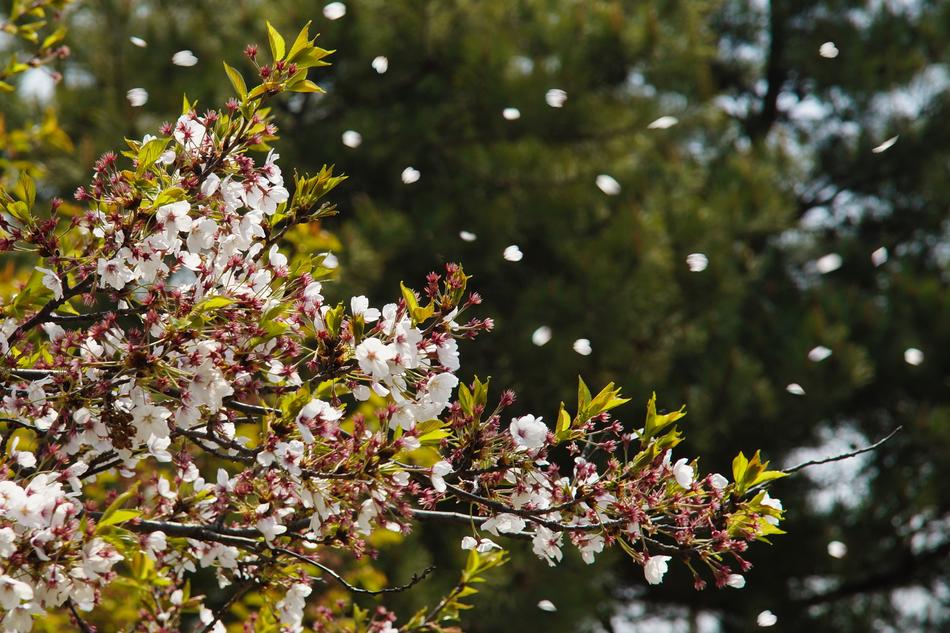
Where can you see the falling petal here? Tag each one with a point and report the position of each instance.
(334, 11)
(513, 253)
(352, 138)
(541, 336)
(410, 175)
(913, 356)
(138, 41)
(608, 184)
(467, 236)
(582, 347)
(828, 263)
(663, 123)
(697, 262)
(547, 605)
(555, 97)
(184, 58)
(330, 261)
(137, 97)
(886, 145)
(828, 50)
(837, 549)
(511, 114)
(766, 618)
(381, 64)
(879, 257)
(795, 389)
(818, 354)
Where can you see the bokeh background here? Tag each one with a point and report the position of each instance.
(780, 167)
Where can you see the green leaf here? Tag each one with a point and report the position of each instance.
(173, 194)
(768, 475)
(276, 43)
(54, 38)
(305, 86)
(434, 437)
(212, 303)
(417, 313)
(583, 395)
(301, 43)
(465, 399)
(563, 426)
(119, 516)
(237, 80)
(20, 211)
(117, 504)
(739, 465)
(334, 318)
(753, 472)
(656, 423)
(480, 393)
(28, 188)
(257, 91)
(420, 315)
(607, 399)
(150, 153)
(312, 58)
(409, 297)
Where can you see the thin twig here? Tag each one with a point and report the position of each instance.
(416, 578)
(533, 515)
(838, 458)
(454, 517)
(224, 608)
(83, 625)
(47, 310)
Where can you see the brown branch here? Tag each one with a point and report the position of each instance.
(776, 73)
(43, 315)
(224, 608)
(416, 578)
(532, 515)
(84, 626)
(240, 537)
(843, 456)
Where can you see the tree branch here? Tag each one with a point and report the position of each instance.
(843, 456)
(83, 625)
(532, 515)
(416, 578)
(43, 315)
(224, 608)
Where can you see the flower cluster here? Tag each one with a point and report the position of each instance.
(179, 395)
(48, 557)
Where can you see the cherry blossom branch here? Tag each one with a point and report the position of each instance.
(90, 316)
(34, 374)
(83, 625)
(43, 315)
(239, 537)
(843, 456)
(533, 515)
(224, 608)
(416, 578)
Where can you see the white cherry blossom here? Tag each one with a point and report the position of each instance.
(528, 432)
(655, 568)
